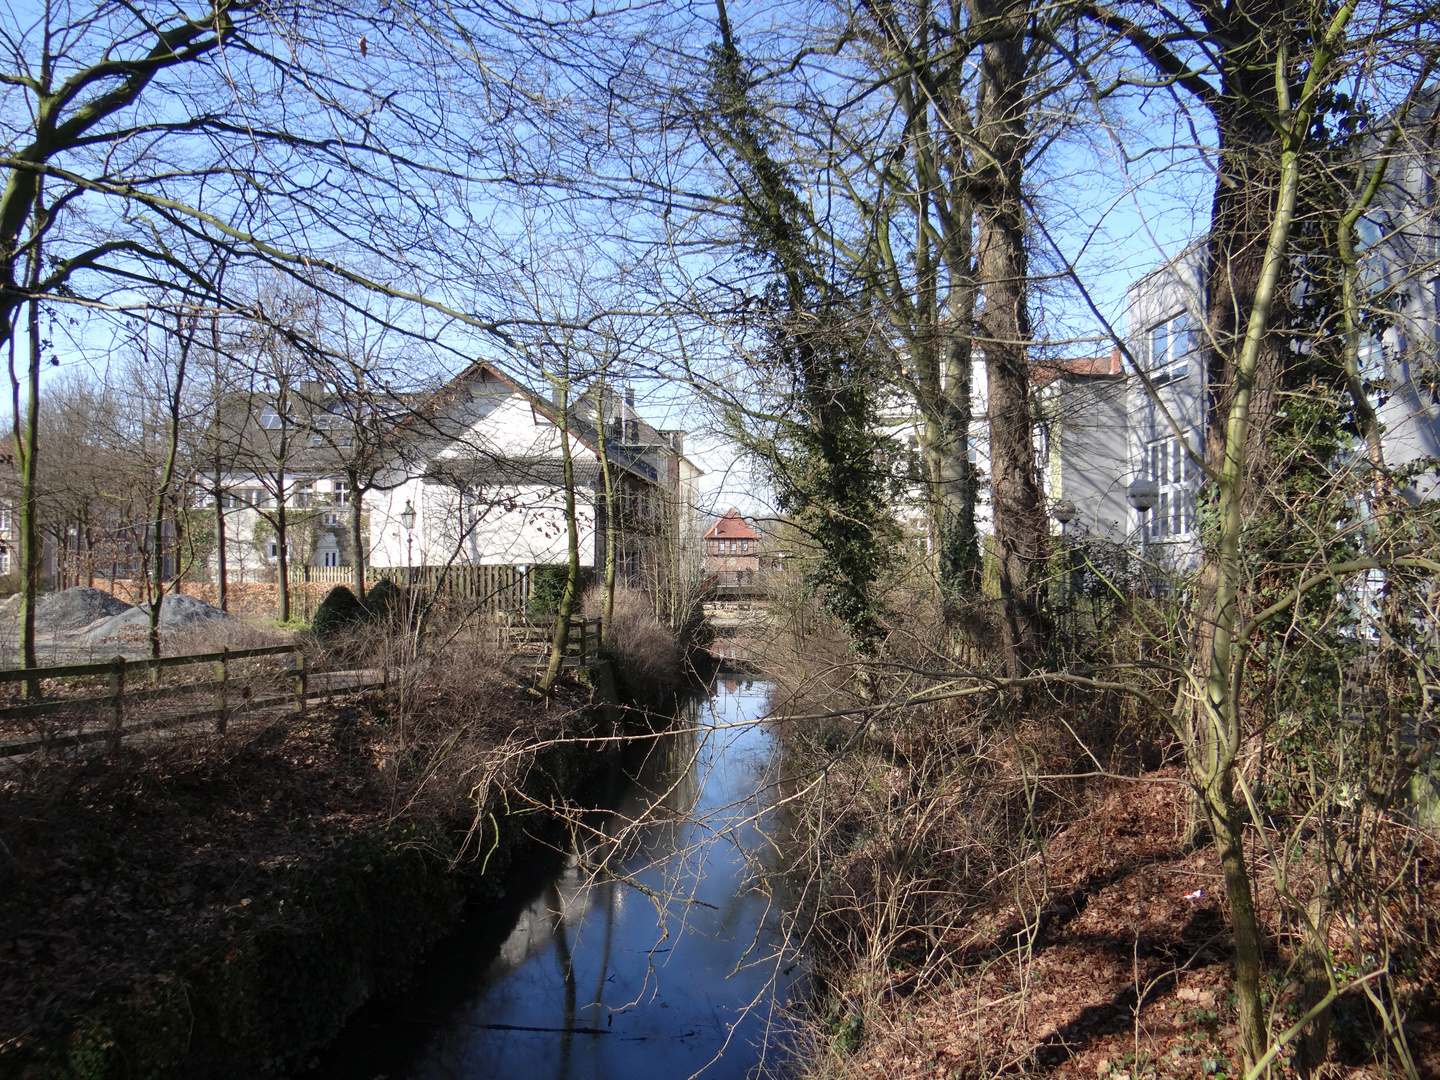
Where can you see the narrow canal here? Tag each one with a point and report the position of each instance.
(653, 951)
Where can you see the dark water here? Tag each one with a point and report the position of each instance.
(652, 953)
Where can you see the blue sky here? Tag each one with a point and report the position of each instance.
(1109, 199)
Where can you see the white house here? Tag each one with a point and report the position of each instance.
(478, 478)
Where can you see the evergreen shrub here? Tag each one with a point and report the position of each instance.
(338, 614)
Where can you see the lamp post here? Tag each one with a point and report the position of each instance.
(407, 518)
(1143, 495)
(1064, 513)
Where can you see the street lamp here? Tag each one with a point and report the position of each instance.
(1143, 495)
(407, 518)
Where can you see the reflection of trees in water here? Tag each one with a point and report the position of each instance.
(674, 840)
(560, 933)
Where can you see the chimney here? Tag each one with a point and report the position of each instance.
(1115, 360)
(632, 423)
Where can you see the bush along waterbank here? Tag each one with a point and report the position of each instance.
(290, 930)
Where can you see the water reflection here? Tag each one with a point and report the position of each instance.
(656, 951)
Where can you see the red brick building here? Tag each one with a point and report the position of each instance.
(731, 550)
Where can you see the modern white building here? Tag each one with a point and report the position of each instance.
(1107, 430)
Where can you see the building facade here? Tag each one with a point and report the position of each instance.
(479, 478)
(731, 551)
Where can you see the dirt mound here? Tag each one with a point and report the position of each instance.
(176, 611)
(77, 608)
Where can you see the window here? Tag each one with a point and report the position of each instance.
(270, 419)
(341, 490)
(317, 439)
(5, 558)
(5, 521)
(1174, 473)
(330, 558)
(274, 549)
(1172, 342)
(744, 547)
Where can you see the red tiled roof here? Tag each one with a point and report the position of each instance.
(1047, 372)
(731, 526)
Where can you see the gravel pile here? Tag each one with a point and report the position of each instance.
(176, 611)
(77, 608)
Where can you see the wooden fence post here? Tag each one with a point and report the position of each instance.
(222, 675)
(117, 691)
(300, 678)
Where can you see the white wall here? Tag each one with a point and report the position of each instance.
(519, 524)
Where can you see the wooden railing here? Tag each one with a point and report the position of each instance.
(581, 642)
(123, 676)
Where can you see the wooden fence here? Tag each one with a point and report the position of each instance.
(491, 588)
(137, 682)
(124, 676)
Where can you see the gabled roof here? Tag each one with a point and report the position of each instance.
(626, 456)
(731, 526)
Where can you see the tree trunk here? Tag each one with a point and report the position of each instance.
(167, 476)
(612, 522)
(572, 576)
(28, 447)
(1229, 826)
(1218, 718)
(282, 557)
(356, 513)
(222, 573)
(1021, 527)
(956, 538)
(222, 576)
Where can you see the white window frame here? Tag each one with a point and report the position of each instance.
(1171, 343)
(1174, 473)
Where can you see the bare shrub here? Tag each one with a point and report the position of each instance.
(649, 652)
(212, 635)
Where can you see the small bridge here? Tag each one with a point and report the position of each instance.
(740, 616)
